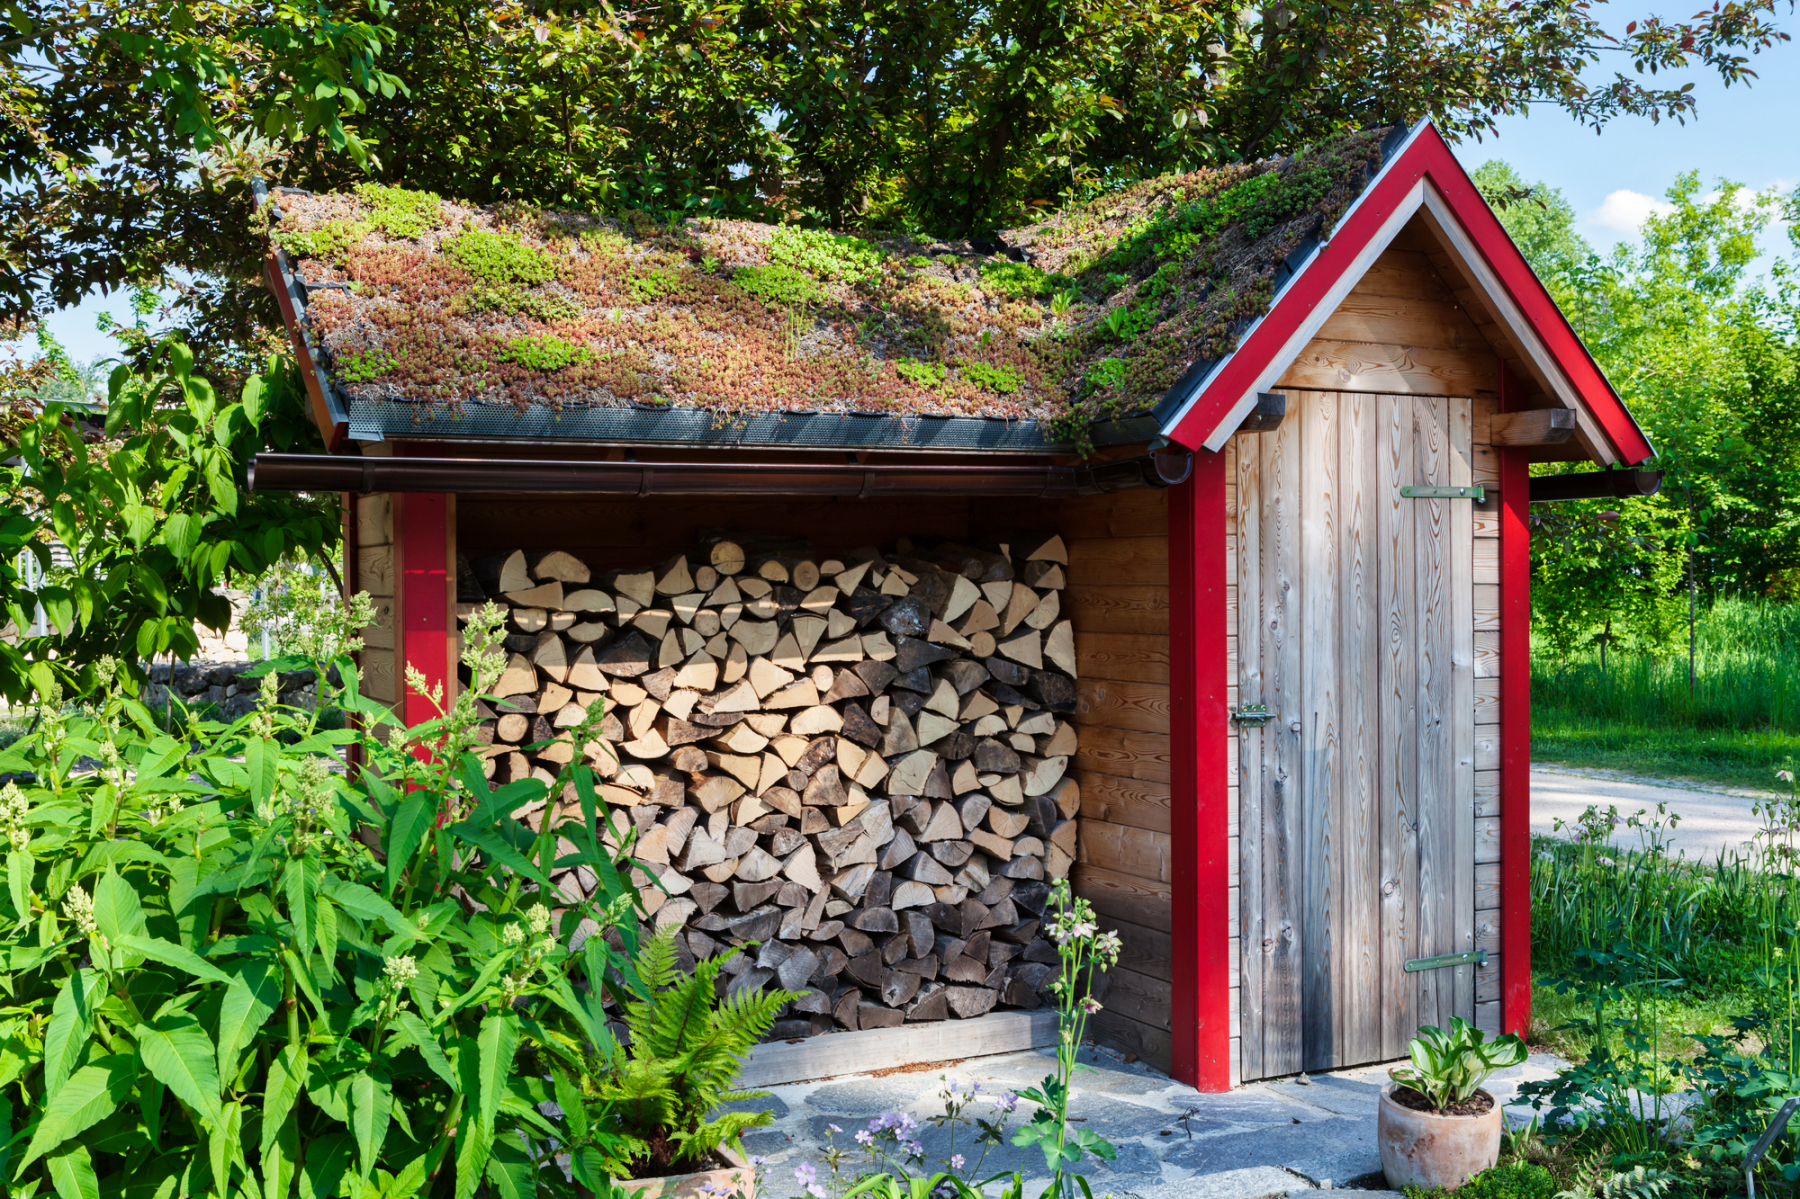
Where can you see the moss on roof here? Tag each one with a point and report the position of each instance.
(438, 303)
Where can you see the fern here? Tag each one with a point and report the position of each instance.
(655, 1097)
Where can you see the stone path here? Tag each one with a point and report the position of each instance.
(1259, 1141)
(1712, 821)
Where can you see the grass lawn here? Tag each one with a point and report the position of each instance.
(1736, 724)
(1672, 1021)
(1726, 757)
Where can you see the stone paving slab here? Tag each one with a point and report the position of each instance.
(1260, 1141)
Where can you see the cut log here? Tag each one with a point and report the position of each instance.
(910, 894)
(587, 600)
(965, 1003)
(563, 567)
(674, 578)
(932, 1004)
(945, 825)
(1059, 647)
(1024, 647)
(877, 920)
(1007, 823)
(909, 775)
(1042, 774)
(544, 595)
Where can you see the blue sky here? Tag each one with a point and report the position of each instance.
(1745, 134)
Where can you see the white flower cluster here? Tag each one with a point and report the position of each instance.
(15, 810)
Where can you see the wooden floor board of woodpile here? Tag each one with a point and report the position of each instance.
(858, 763)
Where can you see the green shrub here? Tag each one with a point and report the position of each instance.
(824, 255)
(545, 352)
(202, 926)
(1001, 380)
(399, 212)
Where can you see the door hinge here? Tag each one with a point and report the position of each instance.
(1256, 714)
(1478, 493)
(1475, 957)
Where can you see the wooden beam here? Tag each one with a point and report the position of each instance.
(1200, 1024)
(885, 1048)
(1540, 426)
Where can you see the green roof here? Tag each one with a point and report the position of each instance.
(431, 310)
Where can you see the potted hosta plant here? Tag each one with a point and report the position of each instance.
(649, 1114)
(1436, 1126)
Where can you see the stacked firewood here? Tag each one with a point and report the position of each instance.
(858, 763)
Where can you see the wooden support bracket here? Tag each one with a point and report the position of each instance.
(1537, 426)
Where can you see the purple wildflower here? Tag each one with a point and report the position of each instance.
(956, 1162)
(807, 1173)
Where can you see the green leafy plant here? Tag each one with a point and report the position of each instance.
(1448, 1067)
(1001, 380)
(1020, 280)
(498, 259)
(824, 255)
(1512, 1180)
(232, 969)
(918, 261)
(364, 366)
(1082, 948)
(925, 374)
(1639, 1182)
(654, 283)
(1062, 301)
(329, 240)
(653, 1108)
(544, 352)
(780, 285)
(399, 211)
(1108, 372)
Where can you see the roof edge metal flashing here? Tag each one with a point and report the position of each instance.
(376, 420)
(328, 407)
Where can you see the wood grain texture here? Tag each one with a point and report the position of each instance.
(1138, 513)
(1136, 996)
(1320, 797)
(1147, 950)
(1283, 852)
(1122, 897)
(374, 519)
(1402, 321)
(1392, 369)
(1487, 655)
(1122, 849)
(375, 569)
(1358, 979)
(1247, 740)
(1105, 609)
(1486, 846)
(1433, 450)
(1120, 561)
(1398, 683)
(1113, 704)
(1487, 793)
(1463, 757)
(1487, 701)
(1121, 752)
(1133, 657)
(1135, 802)
(1150, 1045)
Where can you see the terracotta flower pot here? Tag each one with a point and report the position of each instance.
(737, 1180)
(1425, 1149)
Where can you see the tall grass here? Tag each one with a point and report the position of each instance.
(1739, 721)
(1747, 676)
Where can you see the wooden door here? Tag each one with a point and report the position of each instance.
(1357, 845)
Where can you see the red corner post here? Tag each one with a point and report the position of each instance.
(1515, 729)
(424, 570)
(1200, 999)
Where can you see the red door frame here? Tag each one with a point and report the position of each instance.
(1199, 817)
(1515, 728)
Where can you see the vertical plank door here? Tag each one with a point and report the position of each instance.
(1357, 796)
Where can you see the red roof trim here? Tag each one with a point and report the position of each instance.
(1426, 156)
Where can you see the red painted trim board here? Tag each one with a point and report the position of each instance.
(1199, 823)
(1426, 157)
(422, 574)
(1515, 731)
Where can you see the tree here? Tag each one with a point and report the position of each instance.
(131, 126)
(1706, 357)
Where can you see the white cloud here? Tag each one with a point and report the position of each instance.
(1623, 211)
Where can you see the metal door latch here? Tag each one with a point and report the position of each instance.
(1475, 957)
(1252, 714)
(1478, 493)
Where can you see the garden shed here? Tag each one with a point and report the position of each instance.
(1176, 543)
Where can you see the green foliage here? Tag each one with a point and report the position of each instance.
(1001, 380)
(1513, 1180)
(545, 352)
(925, 374)
(824, 255)
(203, 926)
(364, 366)
(1609, 573)
(154, 517)
(499, 259)
(918, 261)
(329, 240)
(652, 1108)
(1448, 1067)
(655, 283)
(1020, 280)
(779, 285)
(1108, 372)
(400, 212)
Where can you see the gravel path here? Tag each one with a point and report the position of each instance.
(1711, 819)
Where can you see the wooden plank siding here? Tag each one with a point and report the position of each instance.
(1118, 597)
(373, 572)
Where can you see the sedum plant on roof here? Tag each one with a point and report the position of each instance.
(1090, 314)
